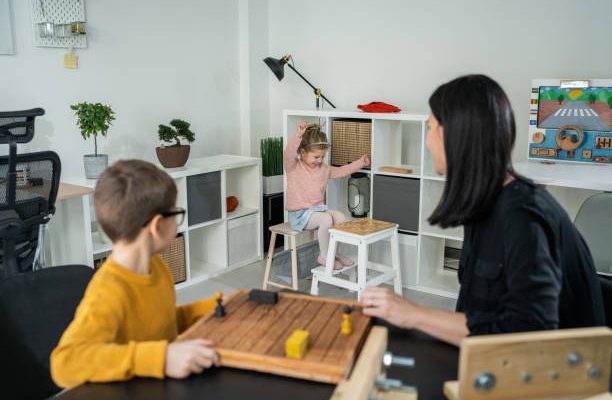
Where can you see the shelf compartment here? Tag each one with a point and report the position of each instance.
(431, 194)
(203, 197)
(433, 276)
(397, 144)
(243, 238)
(245, 184)
(207, 252)
(396, 199)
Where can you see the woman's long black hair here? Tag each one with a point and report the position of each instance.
(479, 133)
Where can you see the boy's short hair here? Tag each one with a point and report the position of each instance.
(128, 194)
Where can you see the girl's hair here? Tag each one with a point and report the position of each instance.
(479, 133)
(313, 138)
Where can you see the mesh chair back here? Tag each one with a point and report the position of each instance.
(18, 126)
(594, 221)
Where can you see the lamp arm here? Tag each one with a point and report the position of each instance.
(310, 84)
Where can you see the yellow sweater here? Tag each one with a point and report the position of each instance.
(122, 326)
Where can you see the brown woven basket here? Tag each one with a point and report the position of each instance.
(174, 256)
(350, 140)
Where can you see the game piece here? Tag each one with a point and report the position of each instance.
(219, 310)
(346, 328)
(263, 296)
(297, 343)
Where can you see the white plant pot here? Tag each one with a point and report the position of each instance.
(272, 184)
(94, 165)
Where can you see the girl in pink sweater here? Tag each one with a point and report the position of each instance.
(307, 177)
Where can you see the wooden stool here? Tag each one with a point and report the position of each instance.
(360, 233)
(283, 229)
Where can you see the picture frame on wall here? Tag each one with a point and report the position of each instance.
(6, 28)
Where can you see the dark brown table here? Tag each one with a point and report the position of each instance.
(436, 362)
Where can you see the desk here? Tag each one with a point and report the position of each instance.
(436, 362)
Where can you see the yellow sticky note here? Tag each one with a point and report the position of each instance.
(70, 61)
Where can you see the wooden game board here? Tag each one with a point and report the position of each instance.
(252, 336)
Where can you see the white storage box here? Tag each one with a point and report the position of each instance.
(243, 239)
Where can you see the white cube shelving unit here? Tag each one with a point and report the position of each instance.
(398, 140)
(216, 241)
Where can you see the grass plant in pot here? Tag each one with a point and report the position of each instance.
(93, 119)
(272, 164)
(176, 154)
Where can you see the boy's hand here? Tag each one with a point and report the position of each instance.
(302, 128)
(365, 159)
(189, 356)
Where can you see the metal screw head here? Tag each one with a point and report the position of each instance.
(594, 373)
(554, 375)
(526, 377)
(484, 382)
(387, 359)
(574, 358)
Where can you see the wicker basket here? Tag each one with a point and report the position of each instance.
(174, 256)
(350, 140)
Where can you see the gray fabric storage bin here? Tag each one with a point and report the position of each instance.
(396, 200)
(204, 197)
(307, 259)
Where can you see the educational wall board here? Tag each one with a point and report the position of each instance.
(571, 120)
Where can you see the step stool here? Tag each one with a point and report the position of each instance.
(360, 233)
(286, 230)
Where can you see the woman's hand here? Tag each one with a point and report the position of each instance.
(384, 303)
(365, 159)
(189, 357)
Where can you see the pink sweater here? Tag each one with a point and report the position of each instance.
(305, 185)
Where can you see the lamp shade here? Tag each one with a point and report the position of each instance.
(277, 66)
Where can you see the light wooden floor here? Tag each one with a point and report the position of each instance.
(251, 276)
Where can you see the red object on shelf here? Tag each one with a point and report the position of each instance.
(378, 107)
(231, 202)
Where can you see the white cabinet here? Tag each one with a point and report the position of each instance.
(216, 241)
(398, 140)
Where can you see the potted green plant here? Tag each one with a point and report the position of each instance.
(272, 164)
(93, 119)
(176, 154)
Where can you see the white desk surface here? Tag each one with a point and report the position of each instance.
(573, 175)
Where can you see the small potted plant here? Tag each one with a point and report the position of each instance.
(272, 164)
(176, 154)
(93, 119)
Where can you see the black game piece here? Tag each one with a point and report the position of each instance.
(219, 310)
(263, 296)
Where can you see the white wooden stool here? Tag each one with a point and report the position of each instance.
(286, 230)
(360, 233)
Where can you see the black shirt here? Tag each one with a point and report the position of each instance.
(525, 267)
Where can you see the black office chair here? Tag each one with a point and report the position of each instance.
(28, 190)
(35, 309)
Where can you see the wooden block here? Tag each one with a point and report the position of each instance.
(297, 344)
(544, 356)
(263, 296)
(395, 170)
(253, 336)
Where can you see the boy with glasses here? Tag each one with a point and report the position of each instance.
(127, 321)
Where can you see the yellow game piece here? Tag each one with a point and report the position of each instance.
(346, 328)
(297, 343)
(218, 295)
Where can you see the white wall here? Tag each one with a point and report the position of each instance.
(399, 51)
(151, 60)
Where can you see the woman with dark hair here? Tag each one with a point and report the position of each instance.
(523, 266)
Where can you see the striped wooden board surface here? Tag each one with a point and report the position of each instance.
(252, 336)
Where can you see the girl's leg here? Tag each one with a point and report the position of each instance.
(323, 221)
(338, 218)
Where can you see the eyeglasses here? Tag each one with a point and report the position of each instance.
(179, 214)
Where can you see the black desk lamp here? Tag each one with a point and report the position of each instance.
(277, 66)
